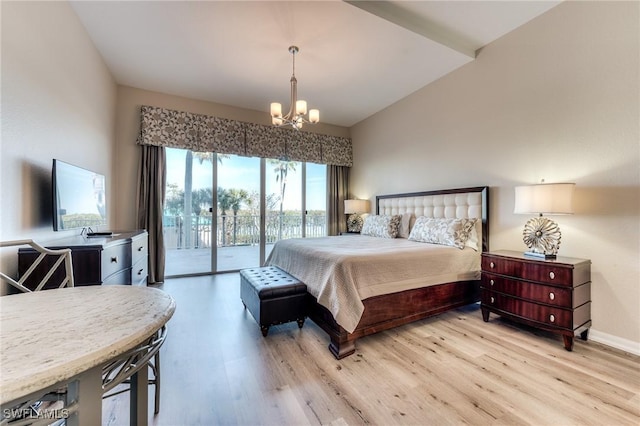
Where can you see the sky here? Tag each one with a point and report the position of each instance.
(244, 173)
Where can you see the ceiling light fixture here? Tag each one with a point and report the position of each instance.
(296, 116)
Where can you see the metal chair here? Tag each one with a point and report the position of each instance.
(64, 255)
(50, 399)
(118, 371)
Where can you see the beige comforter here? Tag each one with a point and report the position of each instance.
(342, 271)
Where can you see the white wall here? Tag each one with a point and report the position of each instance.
(557, 99)
(58, 101)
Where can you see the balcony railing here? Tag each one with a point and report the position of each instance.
(195, 232)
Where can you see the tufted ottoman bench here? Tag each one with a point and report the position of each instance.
(273, 296)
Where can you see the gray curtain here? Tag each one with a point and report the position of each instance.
(150, 197)
(337, 192)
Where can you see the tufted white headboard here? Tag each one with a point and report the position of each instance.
(459, 203)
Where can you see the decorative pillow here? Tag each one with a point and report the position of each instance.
(405, 221)
(448, 232)
(384, 226)
(472, 242)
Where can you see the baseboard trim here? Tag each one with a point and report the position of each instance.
(615, 342)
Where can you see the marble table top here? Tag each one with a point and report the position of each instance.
(50, 336)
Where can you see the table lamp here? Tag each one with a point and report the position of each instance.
(541, 234)
(355, 209)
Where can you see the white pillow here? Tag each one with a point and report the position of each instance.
(384, 226)
(448, 232)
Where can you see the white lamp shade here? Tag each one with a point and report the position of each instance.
(356, 206)
(548, 198)
(301, 107)
(276, 109)
(314, 115)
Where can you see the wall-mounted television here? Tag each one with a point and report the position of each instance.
(79, 197)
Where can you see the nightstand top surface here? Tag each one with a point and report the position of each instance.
(521, 256)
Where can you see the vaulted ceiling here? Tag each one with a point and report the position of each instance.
(355, 59)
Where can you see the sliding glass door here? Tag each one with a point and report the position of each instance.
(225, 212)
(187, 224)
(315, 200)
(284, 205)
(238, 213)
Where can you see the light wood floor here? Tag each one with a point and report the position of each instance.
(451, 369)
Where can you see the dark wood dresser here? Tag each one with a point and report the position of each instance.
(553, 295)
(120, 259)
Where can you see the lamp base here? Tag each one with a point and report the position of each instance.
(354, 223)
(542, 236)
(539, 255)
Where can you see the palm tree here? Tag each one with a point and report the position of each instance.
(237, 196)
(253, 206)
(201, 201)
(224, 204)
(188, 186)
(281, 169)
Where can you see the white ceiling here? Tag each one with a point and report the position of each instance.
(355, 58)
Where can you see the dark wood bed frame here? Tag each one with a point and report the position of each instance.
(391, 310)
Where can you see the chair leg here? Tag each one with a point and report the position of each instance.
(156, 408)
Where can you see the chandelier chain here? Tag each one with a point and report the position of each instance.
(294, 50)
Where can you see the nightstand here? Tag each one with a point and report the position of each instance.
(553, 295)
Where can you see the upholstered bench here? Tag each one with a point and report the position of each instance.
(273, 296)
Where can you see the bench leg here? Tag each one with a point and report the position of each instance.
(264, 329)
(300, 322)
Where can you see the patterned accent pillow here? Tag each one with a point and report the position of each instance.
(448, 232)
(383, 226)
(473, 239)
(405, 223)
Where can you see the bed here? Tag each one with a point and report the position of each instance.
(361, 284)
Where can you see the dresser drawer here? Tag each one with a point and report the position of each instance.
(549, 315)
(139, 272)
(115, 259)
(139, 248)
(549, 272)
(556, 296)
(123, 277)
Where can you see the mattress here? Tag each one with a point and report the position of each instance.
(342, 271)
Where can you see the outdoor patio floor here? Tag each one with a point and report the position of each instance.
(198, 261)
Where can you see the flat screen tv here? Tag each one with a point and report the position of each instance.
(79, 197)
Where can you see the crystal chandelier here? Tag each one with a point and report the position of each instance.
(297, 114)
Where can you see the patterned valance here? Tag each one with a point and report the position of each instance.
(203, 133)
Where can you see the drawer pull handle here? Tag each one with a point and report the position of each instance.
(140, 271)
(491, 282)
(552, 296)
(114, 259)
(552, 318)
(492, 299)
(552, 275)
(493, 265)
(140, 248)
